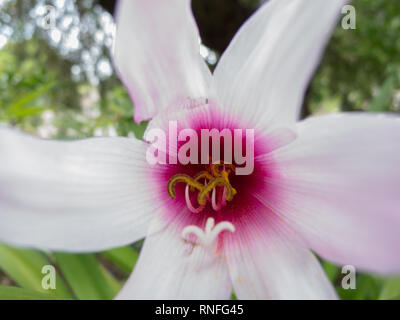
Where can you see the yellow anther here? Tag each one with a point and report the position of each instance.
(215, 169)
(216, 182)
(182, 178)
(226, 167)
(203, 174)
(225, 175)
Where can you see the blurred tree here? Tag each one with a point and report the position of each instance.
(218, 21)
(361, 65)
(360, 68)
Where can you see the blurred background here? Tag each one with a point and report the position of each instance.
(57, 81)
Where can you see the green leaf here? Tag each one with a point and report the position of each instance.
(366, 289)
(346, 294)
(112, 281)
(24, 102)
(123, 257)
(15, 293)
(390, 289)
(31, 111)
(382, 101)
(86, 277)
(24, 266)
(139, 129)
(331, 270)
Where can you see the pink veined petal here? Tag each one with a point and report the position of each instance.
(157, 53)
(341, 188)
(264, 72)
(85, 195)
(267, 261)
(171, 268)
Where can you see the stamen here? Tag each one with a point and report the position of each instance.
(217, 182)
(181, 178)
(210, 233)
(203, 174)
(218, 173)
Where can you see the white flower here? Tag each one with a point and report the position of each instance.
(329, 184)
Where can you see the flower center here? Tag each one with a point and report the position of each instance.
(214, 180)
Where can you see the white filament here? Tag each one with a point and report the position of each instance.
(189, 203)
(207, 236)
(222, 203)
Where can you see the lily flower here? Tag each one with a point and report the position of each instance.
(327, 184)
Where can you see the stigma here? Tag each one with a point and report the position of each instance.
(207, 236)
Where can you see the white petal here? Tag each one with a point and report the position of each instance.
(157, 53)
(340, 188)
(85, 195)
(170, 268)
(275, 265)
(268, 64)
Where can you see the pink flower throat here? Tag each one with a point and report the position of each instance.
(213, 197)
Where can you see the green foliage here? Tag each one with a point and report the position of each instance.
(85, 274)
(381, 102)
(124, 257)
(24, 266)
(14, 293)
(86, 277)
(24, 107)
(390, 289)
(367, 287)
(362, 64)
(331, 270)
